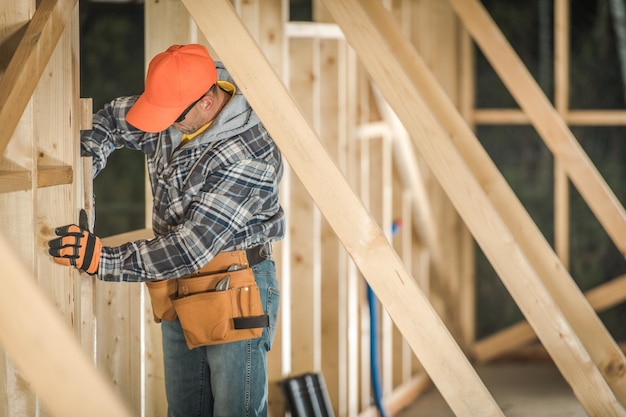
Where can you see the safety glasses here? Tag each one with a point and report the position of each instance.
(187, 110)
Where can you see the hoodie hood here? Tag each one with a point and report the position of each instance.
(235, 117)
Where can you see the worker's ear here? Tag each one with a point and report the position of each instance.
(207, 101)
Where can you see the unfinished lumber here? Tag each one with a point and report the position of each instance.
(571, 117)
(596, 339)
(550, 126)
(29, 61)
(85, 121)
(11, 181)
(85, 328)
(21, 211)
(597, 117)
(45, 350)
(517, 335)
(331, 112)
(317, 30)
(270, 20)
(122, 238)
(561, 99)
(304, 217)
(349, 287)
(466, 104)
(499, 117)
(360, 235)
(48, 175)
(369, 27)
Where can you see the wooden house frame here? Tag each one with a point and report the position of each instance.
(376, 124)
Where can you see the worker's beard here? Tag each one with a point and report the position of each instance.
(187, 129)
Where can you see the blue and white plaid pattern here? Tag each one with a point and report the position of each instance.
(217, 193)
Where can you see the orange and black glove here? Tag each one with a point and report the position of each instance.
(76, 246)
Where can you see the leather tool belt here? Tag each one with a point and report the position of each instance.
(220, 303)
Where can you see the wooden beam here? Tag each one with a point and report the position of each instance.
(29, 61)
(44, 349)
(86, 114)
(54, 175)
(305, 252)
(312, 30)
(331, 113)
(362, 238)
(608, 295)
(545, 119)
(513, 337)
(466, 105)
(572, 117)
(561, 55)
(11, 181)
(499, 117)
(131, 236)
(561, 99)
(597, 117)
(46, 176)
(369, 27)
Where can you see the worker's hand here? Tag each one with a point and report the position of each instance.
(77, 246)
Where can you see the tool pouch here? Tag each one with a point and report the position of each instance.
(161, 294)
(211, 313)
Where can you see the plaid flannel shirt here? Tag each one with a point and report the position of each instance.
(216, 193)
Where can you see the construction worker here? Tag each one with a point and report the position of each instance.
(215, 173)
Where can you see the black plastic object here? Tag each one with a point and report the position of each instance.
(307, 396)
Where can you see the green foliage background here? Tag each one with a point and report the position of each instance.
(112, 64)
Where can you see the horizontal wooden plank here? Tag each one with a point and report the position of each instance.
(11, 181)
(596, 117)
(573, 118)
(131, 236)
(313, 30)
(48, 175)
(499, 117)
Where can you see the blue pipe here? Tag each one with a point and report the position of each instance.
(374, 362)
(374, 355)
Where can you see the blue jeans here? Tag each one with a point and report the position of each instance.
(221, 380)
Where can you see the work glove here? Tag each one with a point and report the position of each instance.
(77, 246)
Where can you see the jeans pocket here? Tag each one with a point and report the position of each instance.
(273, 303)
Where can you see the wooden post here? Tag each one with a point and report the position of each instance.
(561, 99)
(304, 225)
